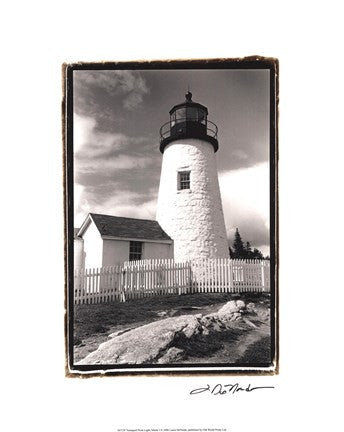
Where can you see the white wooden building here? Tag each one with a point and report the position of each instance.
(105, 240)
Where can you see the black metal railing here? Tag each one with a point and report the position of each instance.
(169, 128)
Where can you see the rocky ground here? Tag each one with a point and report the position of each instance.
(204, 328)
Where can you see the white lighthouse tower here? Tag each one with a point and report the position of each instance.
(189, 204)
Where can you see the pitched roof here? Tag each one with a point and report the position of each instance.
(124, 227)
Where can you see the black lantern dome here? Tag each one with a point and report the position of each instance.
(188, 120)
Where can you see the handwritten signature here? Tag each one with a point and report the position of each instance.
(222, 389)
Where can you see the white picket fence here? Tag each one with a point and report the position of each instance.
(144, 278)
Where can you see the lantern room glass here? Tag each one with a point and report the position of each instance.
(173, 118)
(202, 116)
(194, 114)
(181, 113)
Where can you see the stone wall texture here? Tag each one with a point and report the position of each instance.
(193, 217)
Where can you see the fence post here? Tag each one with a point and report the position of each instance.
(190, 276)
(231, 284)
(122, 286)
(263, 275)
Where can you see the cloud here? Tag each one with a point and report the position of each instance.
(98, 152)
(107, 171)
(146, 210)
(87, 138)
(245, 199)
(239, 155)
(130, 86)
(119, 202)
(90, 140)
(133, 100)
(105, 167)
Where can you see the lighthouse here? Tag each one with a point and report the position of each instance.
(189, 205)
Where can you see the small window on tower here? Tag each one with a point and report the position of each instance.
(135, 251)
(184, 180)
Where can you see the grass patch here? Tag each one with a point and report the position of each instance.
(259, 352)
(96, 319)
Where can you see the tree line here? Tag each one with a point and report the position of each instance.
(243, 250)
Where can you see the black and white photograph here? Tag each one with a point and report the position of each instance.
(173, 179)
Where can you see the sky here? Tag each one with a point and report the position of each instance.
(117, 162)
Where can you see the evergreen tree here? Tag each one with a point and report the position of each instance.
(241, 250)
(256, 254)
(248, 250)
(238, 246)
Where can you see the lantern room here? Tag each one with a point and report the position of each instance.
(188, 120)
